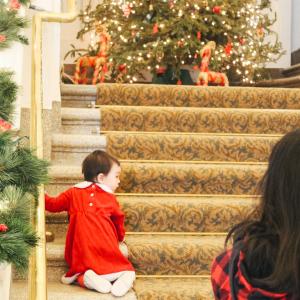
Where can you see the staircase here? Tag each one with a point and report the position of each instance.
(191, 158)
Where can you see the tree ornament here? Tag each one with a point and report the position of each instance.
(155, 28)
(14, 4)
(199, 35)
(228, 48)
(204, 3)
(122, 67)
(4, 126)
(171, 4)
(126, 10)
(2, 38)
(180, 43)
(151, 7)
(161, 70)
(3, 228)
(216, 10)
(242, 41)
(260, 32)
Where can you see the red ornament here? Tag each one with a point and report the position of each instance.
(122, 67)
(179, 82)
(161, 70)
(2, 38)
(4, 126)
(3, 228)
(155, 28)
(216, 10)
(242, 41)
(171, 4)
(228, 48)
(199, 35)
(14, 4)
(180, 43)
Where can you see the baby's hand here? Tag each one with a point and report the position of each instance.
(123, 248)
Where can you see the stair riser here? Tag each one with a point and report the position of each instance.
(80, 127)
(163, 95)
(176, 178)
(63, 154)
(172, 216)
(198, 120)
(189, 147)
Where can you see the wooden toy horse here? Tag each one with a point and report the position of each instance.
(205, 75)
(99, 62)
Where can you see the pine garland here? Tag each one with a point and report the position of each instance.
(11, 24)
(8, 93)
(16, 242)
(21, 172)
(18, 166)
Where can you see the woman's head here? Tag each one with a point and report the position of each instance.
(280, 186)
(272, 241)
(101, 167)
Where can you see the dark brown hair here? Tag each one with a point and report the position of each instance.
(97, 162)
(272, 242)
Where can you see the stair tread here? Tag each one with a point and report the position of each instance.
(195, 96)
(57, 290)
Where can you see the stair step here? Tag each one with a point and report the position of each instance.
(291, 71)
(187, 146)
(156, 254)
(171, 177)
(173, 213)
(57, 290)
(80, 120)
(173, 289)
(193, 119)
(78, 95)
(287, 82)
(195, 96)
(75, 147)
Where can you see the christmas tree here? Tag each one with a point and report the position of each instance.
(158, 34)
(21, 172)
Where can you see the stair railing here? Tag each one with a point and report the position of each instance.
(37, 271)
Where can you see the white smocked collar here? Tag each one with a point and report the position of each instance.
(85, 184)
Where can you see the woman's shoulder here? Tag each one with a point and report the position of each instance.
(220, 264)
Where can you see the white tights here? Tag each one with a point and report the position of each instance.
(122, 282)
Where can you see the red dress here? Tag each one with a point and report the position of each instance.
(96, 226)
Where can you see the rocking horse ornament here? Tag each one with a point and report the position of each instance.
(205, 75)
(98, 62)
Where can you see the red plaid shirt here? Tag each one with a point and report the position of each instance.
(243, 289)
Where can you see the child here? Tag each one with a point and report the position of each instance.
(96, 227)
(265, 260)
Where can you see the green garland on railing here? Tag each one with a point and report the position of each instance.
(8, 93)
(21, 172)
(10, 23)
